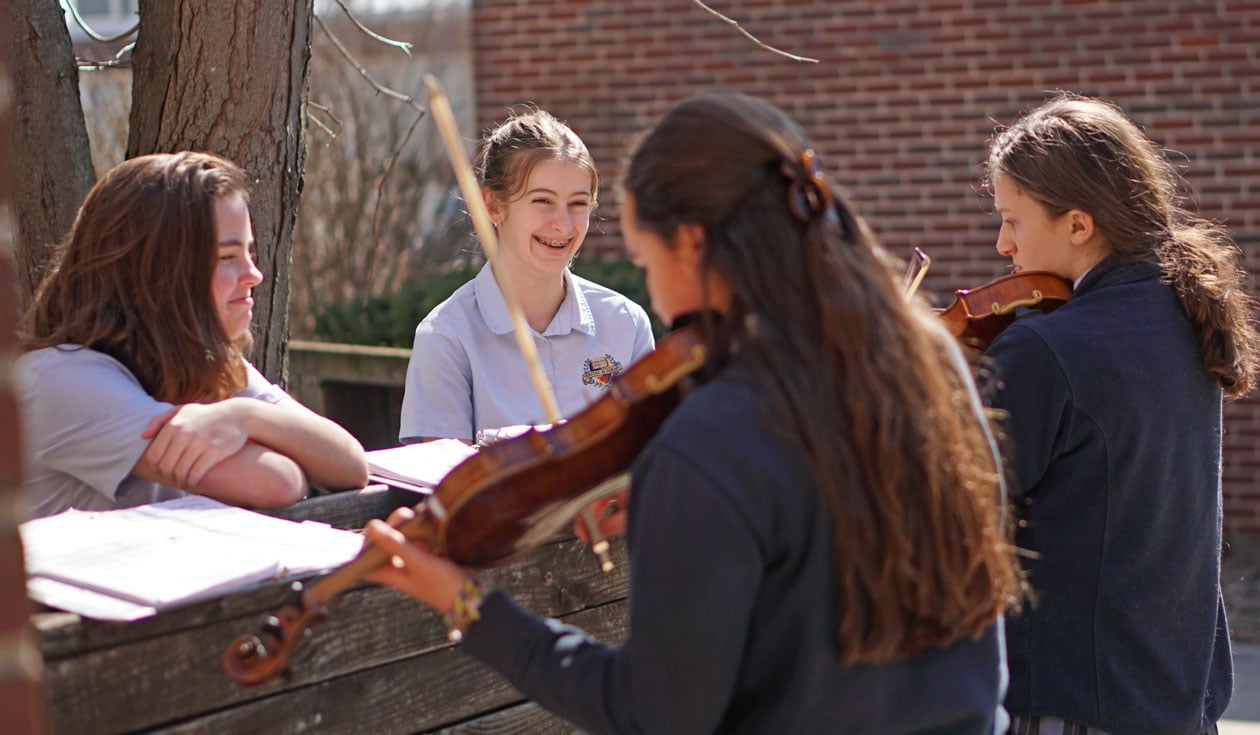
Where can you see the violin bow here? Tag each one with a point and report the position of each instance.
(916, 269)
(444, 118)
(440, 106)
(253, 659)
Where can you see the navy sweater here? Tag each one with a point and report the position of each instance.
(1115, 441)
(733, 623)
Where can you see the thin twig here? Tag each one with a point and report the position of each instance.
(117, 62)
(74, 12)
(320, 124)
(404, 45)
(381, 89)
(327, 111)
(380, 194)
(754, 39)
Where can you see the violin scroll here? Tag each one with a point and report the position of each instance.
(256, 658)
(506, 499)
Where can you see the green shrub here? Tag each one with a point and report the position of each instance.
(390, 319)
(622, 276)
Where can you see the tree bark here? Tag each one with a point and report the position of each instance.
(52, 162)
(230, 78)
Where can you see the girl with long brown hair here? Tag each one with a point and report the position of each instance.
(1114, 406)
(134, 385)
(815, 534)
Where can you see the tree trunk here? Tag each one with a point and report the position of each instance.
(230, 78)
(52, 161)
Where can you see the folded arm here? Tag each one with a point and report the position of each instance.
(251, 452)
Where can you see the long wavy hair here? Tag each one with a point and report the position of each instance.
(1074, 152)
(133, 278)
(860, 377)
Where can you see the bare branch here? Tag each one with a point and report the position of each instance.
(326, 111)
(380, 192)
(404, 45)
(74, 12)
(117, 62)
(380, 88)
(754, 39)
(320, 124)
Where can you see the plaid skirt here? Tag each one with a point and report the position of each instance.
(1055, 726)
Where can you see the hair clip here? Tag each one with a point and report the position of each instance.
(810, 196)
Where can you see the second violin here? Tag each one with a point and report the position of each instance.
(978, 315)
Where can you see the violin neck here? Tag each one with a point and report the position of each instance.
(316, 595)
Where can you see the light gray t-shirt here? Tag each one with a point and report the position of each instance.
(82, 412)
(467, 373)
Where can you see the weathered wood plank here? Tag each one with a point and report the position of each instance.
(313, 364)
(351, 509)
(521, 719)
(67, 634)
(98, 673)
(430, 690)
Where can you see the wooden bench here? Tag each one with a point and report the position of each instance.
(380, 663)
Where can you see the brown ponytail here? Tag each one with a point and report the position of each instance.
(1075, 152)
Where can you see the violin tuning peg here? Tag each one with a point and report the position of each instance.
(600, 548)
(271, 624)
(599, 544)
(294, 595)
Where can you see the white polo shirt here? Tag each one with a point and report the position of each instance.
(82, 414)
(467, 373)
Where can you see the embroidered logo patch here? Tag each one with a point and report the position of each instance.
(600, 371)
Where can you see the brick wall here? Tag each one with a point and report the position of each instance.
(902, 103)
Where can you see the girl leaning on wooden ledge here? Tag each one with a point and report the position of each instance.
(134, 385)
(815, 535)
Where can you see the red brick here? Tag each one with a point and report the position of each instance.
(905, 100)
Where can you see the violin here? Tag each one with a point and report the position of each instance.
(978, 315)
(506, 499)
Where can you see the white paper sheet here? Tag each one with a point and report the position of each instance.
(417, 467)
(154, 557)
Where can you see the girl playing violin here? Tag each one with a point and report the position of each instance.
(1114, 404)
(466, 372)
(814, 534)
(134, 385)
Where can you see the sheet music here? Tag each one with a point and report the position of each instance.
(124, 564)
(417, 467)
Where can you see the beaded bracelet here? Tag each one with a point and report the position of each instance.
(465, 611)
